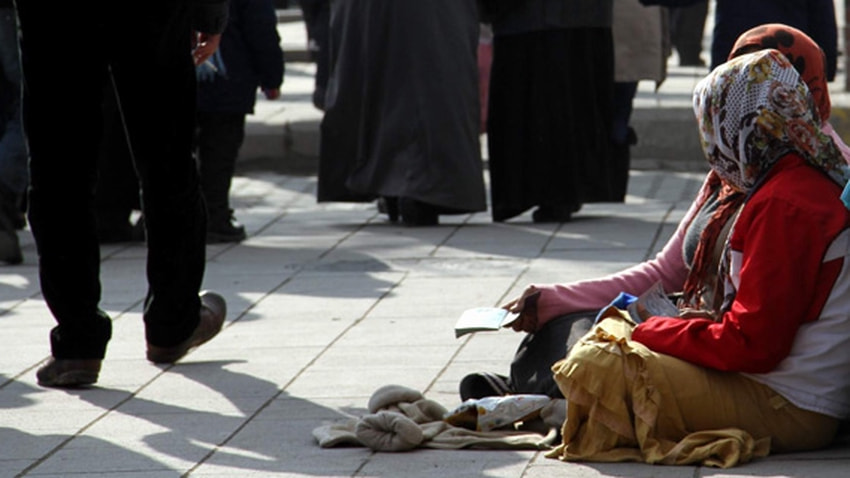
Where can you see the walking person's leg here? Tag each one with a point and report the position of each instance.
(219, 137)
(62, 132)
(687, 30)
(117, 185)
(13, 153)
(155, 81)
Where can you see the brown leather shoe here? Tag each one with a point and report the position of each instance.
(68, 373)
(213, 311)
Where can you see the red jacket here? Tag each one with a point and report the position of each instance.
(791, 312)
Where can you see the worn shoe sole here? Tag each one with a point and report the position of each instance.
(53, 375)
(213, 312)
(71, 378)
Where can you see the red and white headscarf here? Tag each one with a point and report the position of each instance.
(751, 111)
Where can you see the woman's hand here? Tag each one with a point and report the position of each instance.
(526, 307)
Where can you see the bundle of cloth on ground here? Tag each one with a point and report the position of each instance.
(402, 419)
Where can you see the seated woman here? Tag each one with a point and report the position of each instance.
(561, 313)
(757, 359)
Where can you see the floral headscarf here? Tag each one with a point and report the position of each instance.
(751, 111)
(803, 52)
(754, 109)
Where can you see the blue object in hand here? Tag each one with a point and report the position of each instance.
(622, 302)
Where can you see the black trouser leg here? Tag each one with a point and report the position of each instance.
(149, 53)
(687, 30)
(63, 132)
(220, 136)
(622, 138)
(317, 16)
(155, 80)
(117, 184)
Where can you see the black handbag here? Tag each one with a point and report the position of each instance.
(531, 368)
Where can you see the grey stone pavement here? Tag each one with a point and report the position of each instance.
(327, 302)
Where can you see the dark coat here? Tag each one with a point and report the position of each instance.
(513, 16)
(252, 57)
(814, 17)
(402, 110)
(209, 16)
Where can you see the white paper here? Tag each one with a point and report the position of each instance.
(482, 319)
(655, 302)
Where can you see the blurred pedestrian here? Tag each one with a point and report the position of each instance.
(13, 153)
(549, 119)
(402, 115)
(641, 47)
(687, 28)
(317, 20)
(249, 57)
(150, 54)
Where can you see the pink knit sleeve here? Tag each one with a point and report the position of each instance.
(830, 131)
(668, 266)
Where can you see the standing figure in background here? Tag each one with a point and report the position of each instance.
(549, 119)
(317, 19)
(13, 151)
(248, 57)
(687, 28)
(641, 47)
(401, 113)
(816, 18)
(150, 56)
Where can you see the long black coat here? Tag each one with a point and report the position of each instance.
(402, 108)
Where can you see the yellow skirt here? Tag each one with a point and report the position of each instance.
(628, 403)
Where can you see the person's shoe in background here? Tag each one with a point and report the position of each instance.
(226, 229)
(545, 214)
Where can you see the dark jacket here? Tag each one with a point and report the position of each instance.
(815, 17)
(209, 16)
(251, 55)
(513, 16)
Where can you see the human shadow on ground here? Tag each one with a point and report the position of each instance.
(27, 451)
(267, 429)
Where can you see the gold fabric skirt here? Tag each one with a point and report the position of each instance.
(628, 403)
